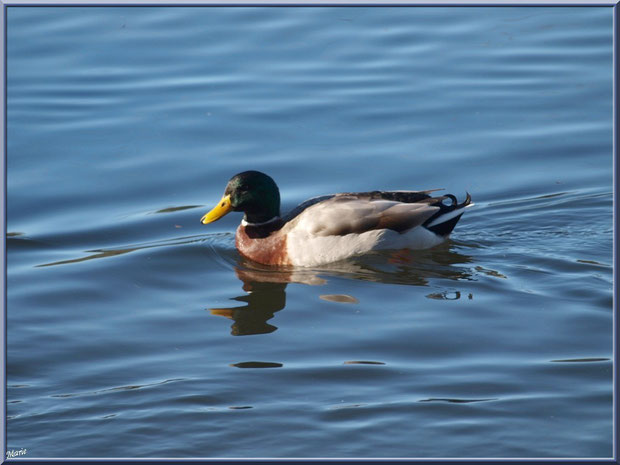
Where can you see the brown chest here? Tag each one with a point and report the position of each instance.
(270, 250)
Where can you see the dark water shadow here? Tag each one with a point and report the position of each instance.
(456, 401)
(265, 286)
(112, 252)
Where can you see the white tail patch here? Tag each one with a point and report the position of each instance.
(448, 216)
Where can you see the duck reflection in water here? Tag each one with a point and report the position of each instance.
(265, 285)
(265, 296)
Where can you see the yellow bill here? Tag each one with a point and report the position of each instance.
(221, 209)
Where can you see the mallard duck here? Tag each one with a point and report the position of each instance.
(332, 227)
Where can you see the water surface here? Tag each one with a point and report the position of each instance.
(134, 331)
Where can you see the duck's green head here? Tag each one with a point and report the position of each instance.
(251, 192)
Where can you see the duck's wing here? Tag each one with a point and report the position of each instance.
(304, 205)
(356, 213)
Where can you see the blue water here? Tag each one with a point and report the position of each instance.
(135, 331)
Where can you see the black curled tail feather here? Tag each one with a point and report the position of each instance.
(443, 228)
(467, 200)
